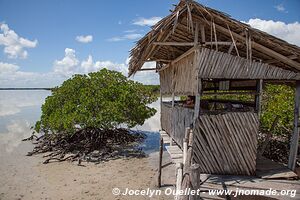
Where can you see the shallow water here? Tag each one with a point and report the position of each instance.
(20, 109)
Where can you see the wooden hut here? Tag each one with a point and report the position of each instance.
(200, 51)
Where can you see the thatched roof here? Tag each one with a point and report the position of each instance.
(194, 24)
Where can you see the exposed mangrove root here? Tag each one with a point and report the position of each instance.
(89, 144)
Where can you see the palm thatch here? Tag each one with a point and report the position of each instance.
(192, 24)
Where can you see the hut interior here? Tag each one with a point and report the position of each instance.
(204, 53)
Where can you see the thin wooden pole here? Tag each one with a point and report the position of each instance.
(295, 136)
(185, 150)
(173, 99)
(258, 97)
(197, 103)
(195, 180)
(161, 150)
(179, 175)
(264, 145)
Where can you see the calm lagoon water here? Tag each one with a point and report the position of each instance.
(20, 109)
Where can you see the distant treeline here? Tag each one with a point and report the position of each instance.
(25, 88)
(154, 88)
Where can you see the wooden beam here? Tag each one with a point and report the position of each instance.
(292, 57)
(295, 136)
(219, 43)
(147, 69)
(174, 43)
(257, 46)
(226, 93)
(158, 60)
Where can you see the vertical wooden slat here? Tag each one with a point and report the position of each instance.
(258, 97)
(295, 136)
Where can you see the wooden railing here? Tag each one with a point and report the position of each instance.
(175, 120)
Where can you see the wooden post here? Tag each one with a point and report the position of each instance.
(195, 179)
(161, 150)
(197, 103)
(188, 159)
(191, 138)
(295, 136)
(258, 97)
(187, 133)
(178, 179)
(173, 99)
(185, 149)
(185, 143)
(202, 34)
(196, 34)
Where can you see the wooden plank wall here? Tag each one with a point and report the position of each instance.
(226, 143)
(181, 77)
(215, 64)
(185, 76)
(166, 78)
(175, 120)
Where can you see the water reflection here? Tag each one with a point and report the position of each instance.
(16, 131)
(20, 109)
(12, 102)
(18, 112)
(152, 124)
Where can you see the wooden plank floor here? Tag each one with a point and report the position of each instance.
(268, 169)
(175, 152)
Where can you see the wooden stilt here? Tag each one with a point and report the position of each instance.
(185, 144)
(185, 150)
(295, 136)
(179, 173)
(161, 150)
(195, 179)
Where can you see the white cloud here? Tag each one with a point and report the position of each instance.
(288, 32)
(14, 46)
(131, 36)
(115, 39)
(89, 65)
(30, 79)
(280, 8)
(146, 22)
(130, 31)
(84, 39)
(146, 77)
(68, 65)
(7, 67)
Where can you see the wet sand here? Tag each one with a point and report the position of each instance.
(23, 177)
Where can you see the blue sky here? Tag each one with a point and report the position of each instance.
(50, 52)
